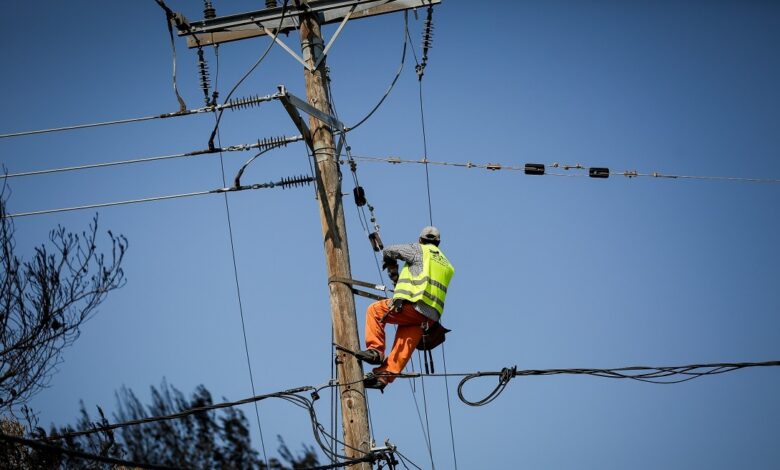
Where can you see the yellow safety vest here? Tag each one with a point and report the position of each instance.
(430, 286)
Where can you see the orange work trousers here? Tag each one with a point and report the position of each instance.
(409, 332)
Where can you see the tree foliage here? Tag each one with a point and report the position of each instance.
(216, 439)
(45, 301)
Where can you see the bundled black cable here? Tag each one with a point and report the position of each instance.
(656, 375)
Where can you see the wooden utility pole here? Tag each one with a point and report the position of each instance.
(342, 303)
(307, 16)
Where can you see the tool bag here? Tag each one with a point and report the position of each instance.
(433, 335)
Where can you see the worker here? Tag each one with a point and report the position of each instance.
(417, 303)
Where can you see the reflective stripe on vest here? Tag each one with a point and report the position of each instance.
(430, 286)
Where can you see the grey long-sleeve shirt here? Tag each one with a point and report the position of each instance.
(412, 255)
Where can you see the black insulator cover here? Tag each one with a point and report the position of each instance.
(534, 168)
(595, 172)
(360, 196)
(376, 241)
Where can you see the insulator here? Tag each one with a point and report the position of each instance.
(428, 32)
(246, 102)
(272, 142)
(270, 3)
(493, 166)
(203, 71)
(598, 172)
(295, 181)
(376, 241)
(360, 196)
(208, 10)
(534, 168)
(427, 42)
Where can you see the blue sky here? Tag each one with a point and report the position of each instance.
(551, 272)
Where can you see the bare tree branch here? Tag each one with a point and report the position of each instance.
(44, 302)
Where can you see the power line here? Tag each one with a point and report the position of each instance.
(233, 255)
(657, 375)
(641, 373)
(232, 104)
(420, 68)
(284, 183)
(182, 414)
(395, 79)
(540, 169)
(271, 142)
(82, 455)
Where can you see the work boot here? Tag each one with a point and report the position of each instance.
(370, 356)
(372, 381)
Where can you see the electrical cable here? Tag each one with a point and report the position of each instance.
(234, 104)
(182, 414)
(261, 144)
(333, 396)
(425, 408)
(406, 459)
(284, 182)
(627, 173)
(426, 436)
(449, 407)
(425, 154)
(395, 79)
(170, 18)
(641, 373)
(235, 265)
(420, 70)
(82, 455)
(656, 375)
(248, 72)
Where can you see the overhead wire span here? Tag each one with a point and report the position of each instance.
(502, 167)
(260, 144)
(233, 104)
(640, 373)
(656, 375)
(395, 79)
(283, 183)
(82, 455)
(209, 10)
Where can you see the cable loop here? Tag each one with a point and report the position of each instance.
(504, 377)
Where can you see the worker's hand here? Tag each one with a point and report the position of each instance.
(396, 306)
(389, 263)
(392, 273)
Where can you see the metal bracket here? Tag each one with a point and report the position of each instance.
(292, 104)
